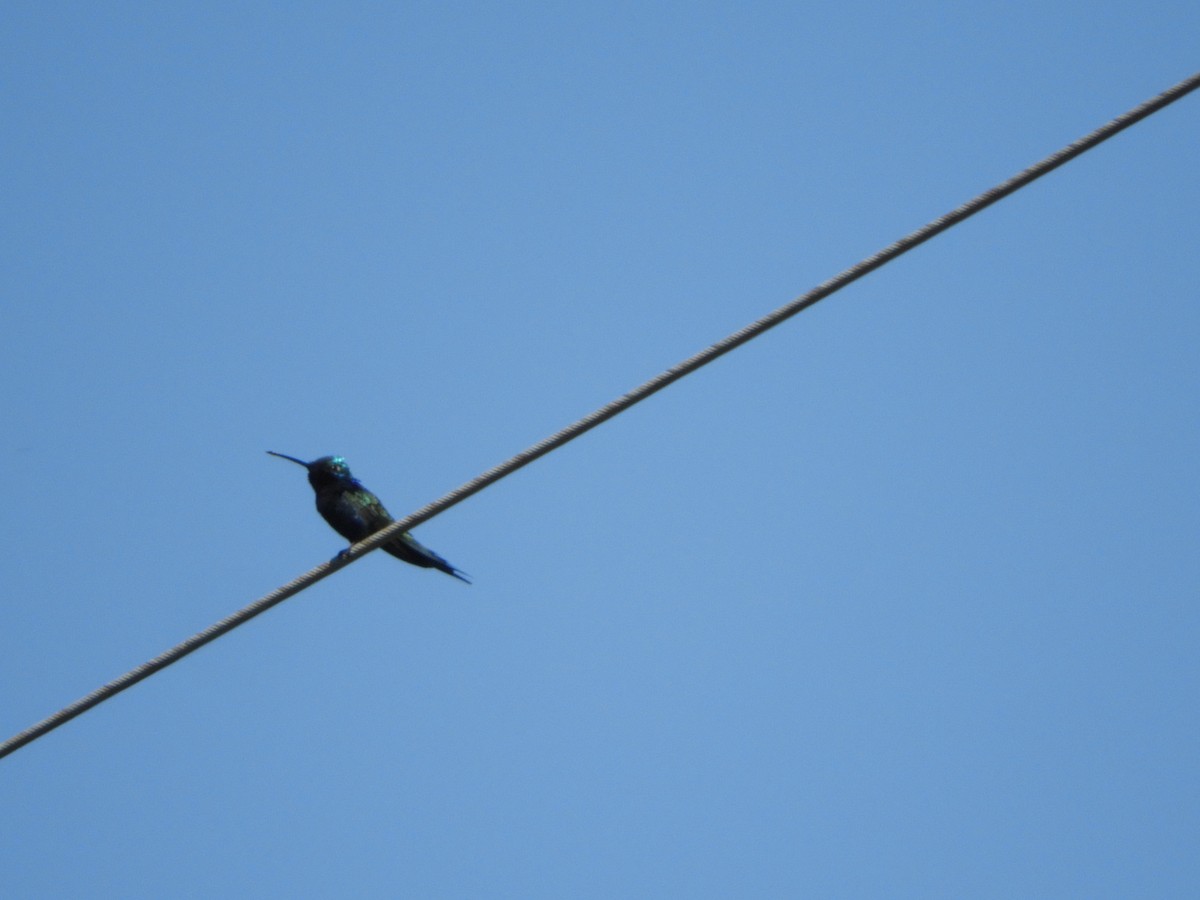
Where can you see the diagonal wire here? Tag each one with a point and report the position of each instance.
(606, 412)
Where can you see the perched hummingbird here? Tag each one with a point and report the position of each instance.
(354, 512)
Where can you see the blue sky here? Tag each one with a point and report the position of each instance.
(899, 600)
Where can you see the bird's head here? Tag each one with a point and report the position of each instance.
(322, 472)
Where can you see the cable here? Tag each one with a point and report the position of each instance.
(604, 413)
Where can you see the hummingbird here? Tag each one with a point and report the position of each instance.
(354, 512)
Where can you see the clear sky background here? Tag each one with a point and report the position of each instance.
(899, 600)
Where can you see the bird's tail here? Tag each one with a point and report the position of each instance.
(409, 549)
(457, 573)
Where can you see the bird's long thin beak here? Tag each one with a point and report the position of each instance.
(298, 462)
